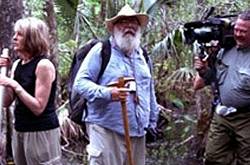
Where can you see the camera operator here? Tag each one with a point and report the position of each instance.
(229, 134)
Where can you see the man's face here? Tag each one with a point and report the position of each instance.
(242, 33)
(127, 34)
(127, 25)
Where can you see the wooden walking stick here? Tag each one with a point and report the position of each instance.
(3, 71)
(121, 84)
(3, 142)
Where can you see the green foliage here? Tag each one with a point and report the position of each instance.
(66, 52)
(65, 57)
(172, 149)
(66, 13)
(88, 23)
(178, 103)
(34, 8)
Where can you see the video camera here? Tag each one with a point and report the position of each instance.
(218, 28)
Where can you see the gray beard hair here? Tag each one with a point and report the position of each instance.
(128, 42)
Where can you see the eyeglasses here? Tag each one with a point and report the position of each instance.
(127, 21)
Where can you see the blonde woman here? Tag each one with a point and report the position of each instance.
(36, 138)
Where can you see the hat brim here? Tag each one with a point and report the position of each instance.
(142, 18)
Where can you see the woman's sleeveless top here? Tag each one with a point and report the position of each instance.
(25, 120)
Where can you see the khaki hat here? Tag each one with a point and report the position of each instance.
(127, 11)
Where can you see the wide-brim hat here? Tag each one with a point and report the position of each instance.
(127, 11)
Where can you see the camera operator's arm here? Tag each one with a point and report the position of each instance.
(198, 82)
(201, 67)
(205, 73)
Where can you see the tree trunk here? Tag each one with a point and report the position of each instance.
(204, 114)
(51, 22)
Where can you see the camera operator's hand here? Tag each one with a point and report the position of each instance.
(200, 65)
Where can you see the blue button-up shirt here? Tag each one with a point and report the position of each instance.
(102, 110)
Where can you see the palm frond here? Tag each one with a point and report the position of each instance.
(151, 6)
(183, 75)
(168, 46)
(80, 19)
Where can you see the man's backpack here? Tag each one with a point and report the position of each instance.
(78, 106)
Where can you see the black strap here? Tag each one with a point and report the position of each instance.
(105, 53)
(145, 54)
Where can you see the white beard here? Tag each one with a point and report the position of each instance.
(127, 42)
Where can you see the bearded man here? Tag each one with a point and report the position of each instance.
(104, 120)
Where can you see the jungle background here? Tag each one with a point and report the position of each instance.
(185, 113)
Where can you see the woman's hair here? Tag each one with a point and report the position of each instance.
(36, 35)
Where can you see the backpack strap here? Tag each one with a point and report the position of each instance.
(105, 53)
(148, 60)
(145, 54)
